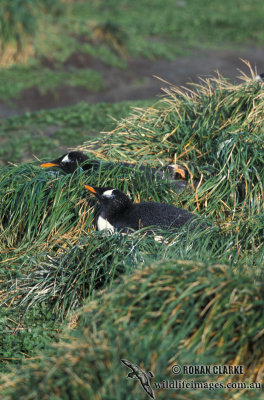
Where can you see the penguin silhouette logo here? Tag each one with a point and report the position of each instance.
(142, 376)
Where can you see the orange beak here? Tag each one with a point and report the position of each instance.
(180, 171)
(90, 188)
(48, 164)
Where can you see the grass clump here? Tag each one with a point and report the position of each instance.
(47, 230)
(44, 207)
(64, 279)
(164, 314)
(194, 297)
(51, 257)
(38, 208)
(191, 123)
(216, 126)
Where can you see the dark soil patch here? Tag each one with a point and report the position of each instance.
(137, 81)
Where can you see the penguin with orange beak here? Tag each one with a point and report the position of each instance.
(118, 212)
(69, 162)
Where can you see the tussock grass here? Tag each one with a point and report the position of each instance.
(185, 117)
(39, 207)
(62, 277)
(63, 281)
(215, 129)
(48, 207)
(164, 314)
(194, 297)
(48, 234)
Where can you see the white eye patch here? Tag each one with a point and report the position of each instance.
(66, 159)
(108, 193)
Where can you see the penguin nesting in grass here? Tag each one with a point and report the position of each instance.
(120, 213)
(69, 163)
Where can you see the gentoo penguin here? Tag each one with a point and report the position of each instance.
(70, 161)
(119, 212)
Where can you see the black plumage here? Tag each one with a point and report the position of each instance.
(119, 212)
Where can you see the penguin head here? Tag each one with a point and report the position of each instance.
(113, 201)
(68, 162)
(176, 171)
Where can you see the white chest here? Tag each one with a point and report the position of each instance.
(102, 224)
